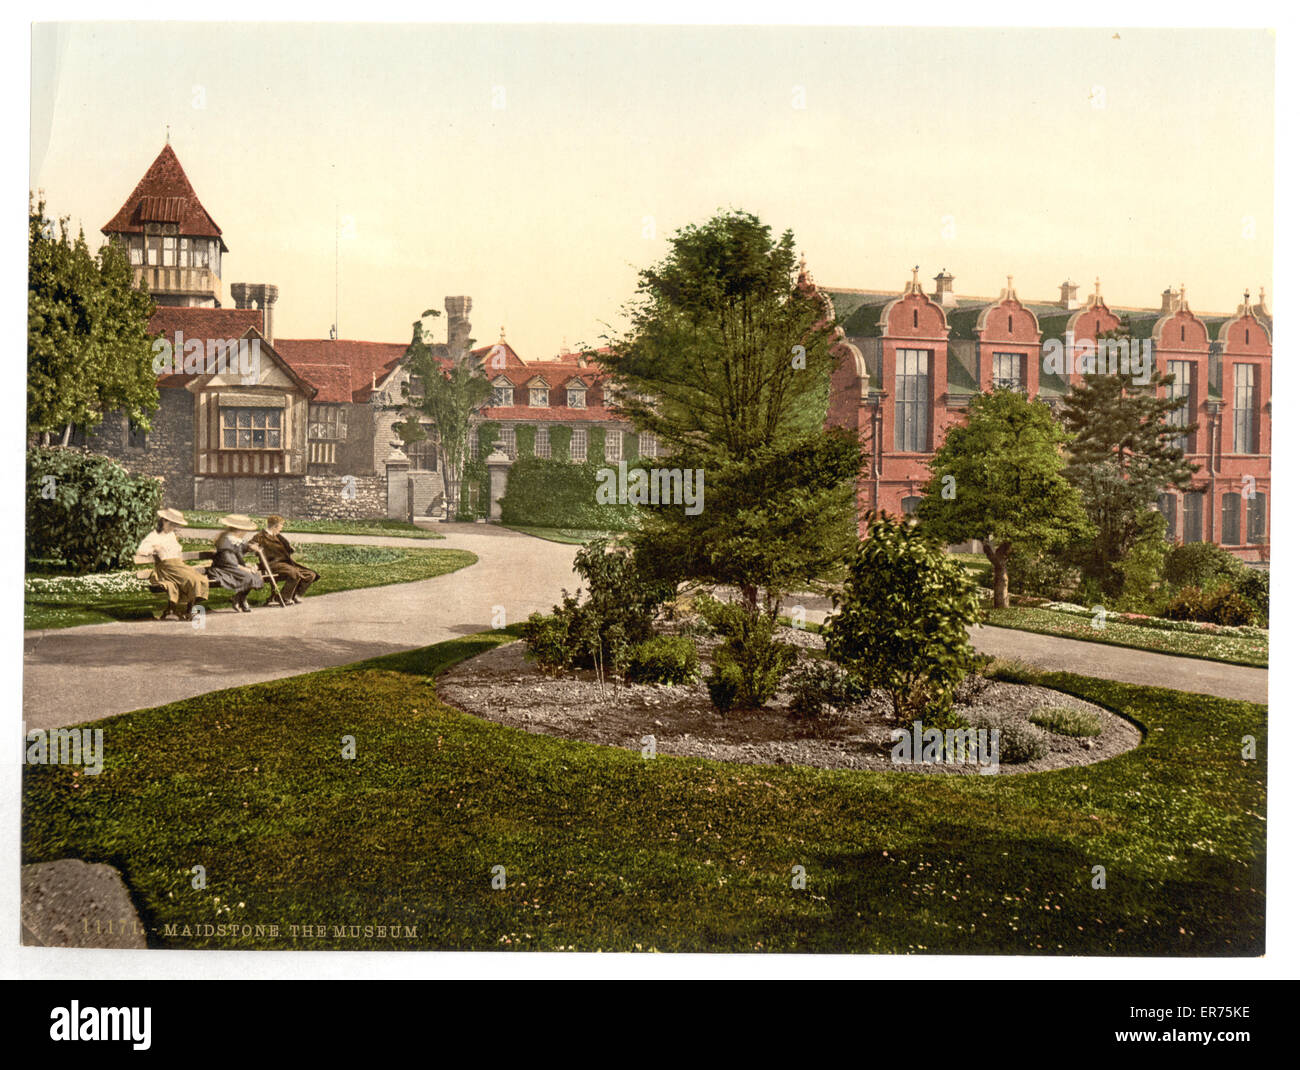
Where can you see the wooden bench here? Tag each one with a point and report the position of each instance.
(201, 560)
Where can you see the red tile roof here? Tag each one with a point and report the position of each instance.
(343, 370)
(164, 195)
(202, 323)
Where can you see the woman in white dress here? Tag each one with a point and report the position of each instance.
(184, 585)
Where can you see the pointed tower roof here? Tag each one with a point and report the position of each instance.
(164, 195)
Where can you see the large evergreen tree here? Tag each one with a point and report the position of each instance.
(1124, 452)
(998, 478)
(88, 346)
(728, 364)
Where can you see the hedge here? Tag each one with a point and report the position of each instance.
(85, 513)
(559, 494)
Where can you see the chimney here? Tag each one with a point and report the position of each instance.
(1069, 295)
(1168, 301)
(258, 295)
(943, 289)
(457, 322)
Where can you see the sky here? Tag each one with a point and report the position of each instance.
(537, 169)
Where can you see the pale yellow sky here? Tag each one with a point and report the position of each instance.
(538, 168)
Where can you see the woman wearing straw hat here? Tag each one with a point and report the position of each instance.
(228, 568)
(184, 585)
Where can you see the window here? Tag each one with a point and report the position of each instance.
(607, 396)
(415, 390)
(152, 247)
(1006, 372)
(613, 445)
(251, 429)
(136, 437)
(185, 253)
(542, 443)
(578, 444)
(137, 253)
(503, 393)
(1231, 535)
(1255, 518)
(647, 445)
(910, 505)
(424, 453)
(268, 495)
(912, 400)
(1245, 423)
(223, 494)
(169, 251)
(507, 441)
(326, 423)
(1181, 387)
(200, 254)
(1168, 506)
(577, 397)
(538, 397)
(1193, 517)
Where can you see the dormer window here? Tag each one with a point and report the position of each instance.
(576, 393)
(503, 392)
(539, 394)
(607, 396)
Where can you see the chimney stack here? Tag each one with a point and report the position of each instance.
(943, 289)
(1069, 295)
(1168, 301)
(457, 323)
(258, 295)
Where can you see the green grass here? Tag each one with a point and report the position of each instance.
(575, 536)
(206, 519)
(603, 849)
(1233, 649)
(1067, 721)
(61, 601)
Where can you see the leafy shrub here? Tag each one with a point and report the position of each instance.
(1199, 564)
(901, 621)
(1143, 567)
(819, 686)
(749, 665)
(665, 659)
(1221, 606)
(619, 612)
(1041, 573)
(558, 494)
(1252, 585)
(548, 641)
(1018, 740)
(84, 511)
(1067, 721)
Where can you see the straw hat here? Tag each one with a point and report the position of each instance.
(237, 522)
(175, 516)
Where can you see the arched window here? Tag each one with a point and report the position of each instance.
(915, 318)
(910, 504)
(1009, 327)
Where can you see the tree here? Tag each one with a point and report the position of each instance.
(902, 621)
(1123, 453)
(88, 346)
(453, 394)
(998, 478)
(727, 363)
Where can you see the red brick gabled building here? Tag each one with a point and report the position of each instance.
(910, 362)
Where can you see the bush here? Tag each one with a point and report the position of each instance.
(548, 641)
(86, 513)
(1252, 585)
(901, 621)
(619, 613)
(1199, 564)
(819, 686)
(1067, 721)
(749, 665)
(1018, 741)
(558, 494)
(1143, 567)
(1223, 605)
(1185, 605)
(1040, 573)
(665, 659)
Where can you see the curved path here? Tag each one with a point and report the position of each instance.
(72, 675)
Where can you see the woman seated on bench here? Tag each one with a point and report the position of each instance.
(184, 585)
(293, 577)
(228, 568)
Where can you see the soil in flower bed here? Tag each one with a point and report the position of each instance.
(504, 686)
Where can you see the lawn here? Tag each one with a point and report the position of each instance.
(575, 536)
(604, 850)
(60, 601)
(1236, 650)
(206, 519)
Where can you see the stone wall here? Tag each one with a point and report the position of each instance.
(334, 497)
(167, 451)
